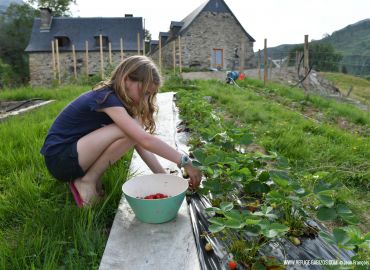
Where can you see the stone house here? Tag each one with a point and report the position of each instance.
(119, 37)
(209, 37)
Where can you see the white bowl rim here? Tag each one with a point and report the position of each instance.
(143, 185)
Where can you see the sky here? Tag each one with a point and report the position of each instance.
(279, 21)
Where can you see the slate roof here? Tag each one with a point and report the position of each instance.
(209, 5)
(212, 6)
(78, 30)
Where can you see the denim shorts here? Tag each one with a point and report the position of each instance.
(64, 166)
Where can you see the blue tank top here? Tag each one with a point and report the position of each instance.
(79, 118)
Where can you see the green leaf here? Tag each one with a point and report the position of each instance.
(246, 139)
(325, 213)
(321, 186)
(264, 176)
(281, 182)
(343, 209)
(214, 228)
(217, 220)
(270, 233)
(258, 266)
(234, 214)
(275, 196)
(196, 163)
(350, 218)
(275, 229)
(226, 206)
(252, 230)
(279, 227)
(341, 236)
(328, 237)
(252, 220)
(346, 214)
(211, 160)
(256, 187)
(234, 224)
(199, 155)
(326, 200)
(212, 209)
(300, 191)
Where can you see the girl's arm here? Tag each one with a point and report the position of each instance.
(150, 159)
(149, 142)
(136, 133)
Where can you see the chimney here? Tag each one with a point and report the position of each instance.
(45, 19)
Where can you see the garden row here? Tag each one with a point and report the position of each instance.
(255, 198)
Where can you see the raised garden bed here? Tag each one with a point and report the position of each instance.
(252, 210)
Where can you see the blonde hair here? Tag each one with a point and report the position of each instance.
(137, 68)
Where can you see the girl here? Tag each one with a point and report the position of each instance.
(100, 126)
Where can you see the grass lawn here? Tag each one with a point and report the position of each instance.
(40, 225)
(361, 87)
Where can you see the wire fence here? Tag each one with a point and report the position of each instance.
(348, 63)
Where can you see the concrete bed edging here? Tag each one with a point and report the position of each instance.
(136, 245)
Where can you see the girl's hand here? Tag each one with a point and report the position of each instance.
(195, 176)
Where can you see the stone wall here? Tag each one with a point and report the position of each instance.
(42, 73)
(210, 30)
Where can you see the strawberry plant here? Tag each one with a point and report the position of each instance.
(254, 197)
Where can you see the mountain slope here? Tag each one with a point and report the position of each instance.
(353, 42)
(354, 39)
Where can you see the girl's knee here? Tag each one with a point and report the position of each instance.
(126, 141)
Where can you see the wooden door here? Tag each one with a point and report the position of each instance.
(218, 58)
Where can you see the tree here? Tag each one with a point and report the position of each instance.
(59, 7)
(5, 74)
(15, 30)
(147, 39)
(322, 56)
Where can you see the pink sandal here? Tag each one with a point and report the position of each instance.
(76, 195)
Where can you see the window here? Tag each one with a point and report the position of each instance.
(104, 41)
(63, 41)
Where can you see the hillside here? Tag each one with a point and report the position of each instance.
(354, 39)
(353, 42)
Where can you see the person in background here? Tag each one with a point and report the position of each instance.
(97, 128)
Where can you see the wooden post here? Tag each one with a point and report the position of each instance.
(265, 67)
(306, 64)
(259, 64)
(57, 57)
(110, 53)
(174, 56)
(160, 54)
(121, 46)
(242, 57)
(180, 55)
(101, 57)
(296, 59)
(138, 43)
(74, 61)
(271, 67)
(143, 46)
(53, 59)
(87, 57)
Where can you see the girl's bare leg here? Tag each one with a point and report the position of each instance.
(96, 152)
